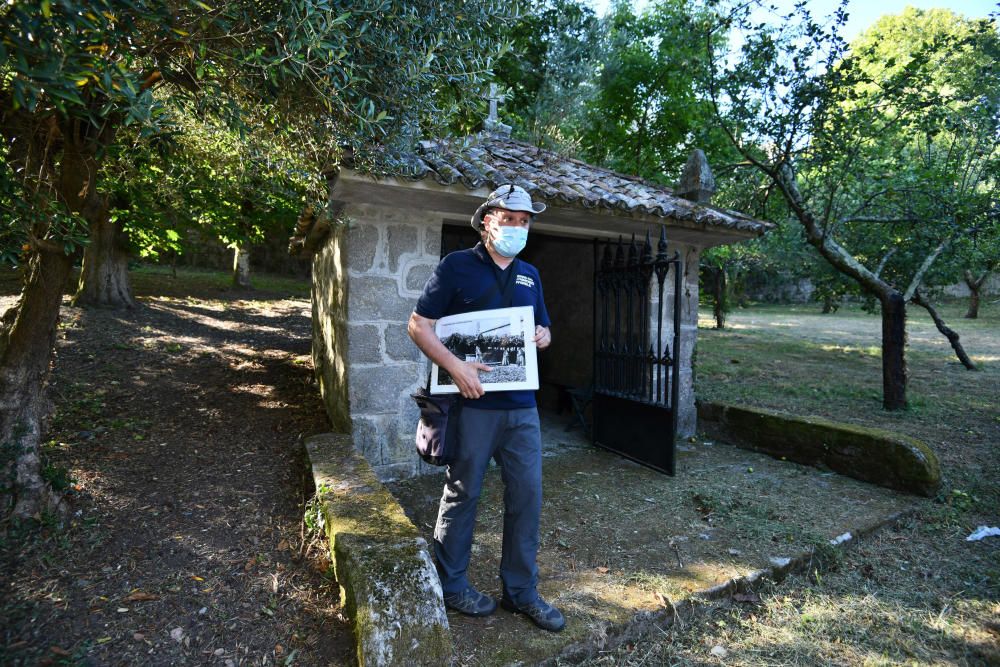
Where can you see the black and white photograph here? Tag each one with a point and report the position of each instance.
(503, 339)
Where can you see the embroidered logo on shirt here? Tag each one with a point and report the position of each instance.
(527, 281)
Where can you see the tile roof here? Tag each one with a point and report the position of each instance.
(492, 160)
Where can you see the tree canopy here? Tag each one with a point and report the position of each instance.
(88, 88)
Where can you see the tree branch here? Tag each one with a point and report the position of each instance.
(885, 260)
(924, 267)
(950, 334)
(877, 220)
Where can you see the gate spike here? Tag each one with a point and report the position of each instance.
(647, 250)
(633, 252)
(661, 247)
(606, 257)
(620, 253)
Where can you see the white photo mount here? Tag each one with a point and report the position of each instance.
(503, 338)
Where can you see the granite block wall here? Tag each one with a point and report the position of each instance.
(385, 257)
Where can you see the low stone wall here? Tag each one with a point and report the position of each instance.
(389, 588)
(871, 455)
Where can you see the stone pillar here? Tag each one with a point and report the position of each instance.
(697, 183)
(687, 418)
(385, 256)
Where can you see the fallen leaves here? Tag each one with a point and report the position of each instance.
(140, 596)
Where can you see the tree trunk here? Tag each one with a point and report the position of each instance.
(27, 331)
(974, 286)
(721, 290)
(104, 277)
(949, 333)
(828, 304)
(241, 267)
(27, 339)
(893, 350)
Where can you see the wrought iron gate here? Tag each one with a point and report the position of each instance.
(636, 371)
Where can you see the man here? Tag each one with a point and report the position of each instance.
(502, 425)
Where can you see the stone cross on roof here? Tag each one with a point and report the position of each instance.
(492, 123)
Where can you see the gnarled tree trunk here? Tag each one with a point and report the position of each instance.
(830, 304)
(27, 331)
(104, 277)
(241, 267)
(974, 286)
(721, 293)
(893, 303)
(27, 338)
(893, 350)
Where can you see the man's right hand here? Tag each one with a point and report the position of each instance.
(466, 377)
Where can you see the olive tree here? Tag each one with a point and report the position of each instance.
(837, 128)
(77, 77)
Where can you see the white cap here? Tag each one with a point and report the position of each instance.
(509, 197)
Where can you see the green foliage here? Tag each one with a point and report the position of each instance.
(885, 150)
(548, 72)
(93, 78)
(57, 476)
(647, 114)
(213, 180)
(312, 516)
(938, 168)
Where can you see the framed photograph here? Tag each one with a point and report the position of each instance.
(503, 339)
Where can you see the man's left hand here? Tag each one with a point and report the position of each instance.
(542, 337)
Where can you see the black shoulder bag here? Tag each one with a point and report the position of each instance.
(437, 430)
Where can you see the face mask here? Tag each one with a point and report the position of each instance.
(508, 241)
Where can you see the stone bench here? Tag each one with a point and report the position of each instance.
(872, 455)
(388, 585)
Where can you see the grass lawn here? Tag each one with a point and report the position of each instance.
(918, 593)
(154, 280)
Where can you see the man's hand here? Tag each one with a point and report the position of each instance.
(542, 337)
(466, 377)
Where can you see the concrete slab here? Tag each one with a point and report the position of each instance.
(623, 545)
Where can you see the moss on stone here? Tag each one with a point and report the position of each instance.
(870, 454)
(388, 585)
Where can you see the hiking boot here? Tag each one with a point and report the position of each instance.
(471, 602)
(540, 612)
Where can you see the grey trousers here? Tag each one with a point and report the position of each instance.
(513, 438)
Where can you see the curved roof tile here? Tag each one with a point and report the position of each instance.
(490, 160)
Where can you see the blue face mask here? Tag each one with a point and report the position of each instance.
(508, 241)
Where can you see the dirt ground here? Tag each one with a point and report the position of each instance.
(619, 540)
(851, 327)
(177, 435)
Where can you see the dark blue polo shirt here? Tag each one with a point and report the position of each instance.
(464, 276)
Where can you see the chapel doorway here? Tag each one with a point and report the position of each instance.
(566, 266)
